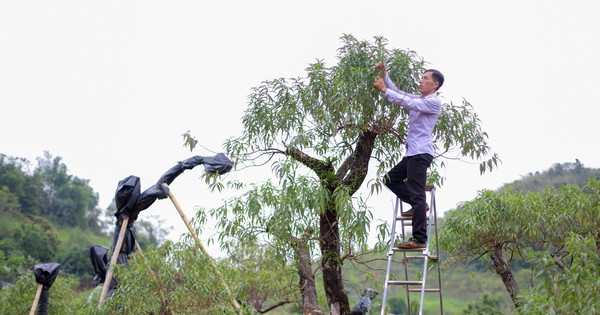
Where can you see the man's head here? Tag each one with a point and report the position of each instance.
(431, 81)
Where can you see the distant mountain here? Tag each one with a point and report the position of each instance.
(560, 174)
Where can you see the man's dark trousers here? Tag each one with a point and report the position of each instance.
(407, 180)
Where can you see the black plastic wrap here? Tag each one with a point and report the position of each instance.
(130, 202)
(99, 259)
(45, 274)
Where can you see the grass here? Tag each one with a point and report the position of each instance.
(461, 286)
(71, 237)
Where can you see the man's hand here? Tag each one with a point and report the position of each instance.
(379, 84)
(379, 66)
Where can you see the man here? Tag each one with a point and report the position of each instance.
(408, 178)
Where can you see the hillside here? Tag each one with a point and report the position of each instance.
(560, 174)
(48, 215)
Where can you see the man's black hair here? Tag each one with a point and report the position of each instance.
(437, 76)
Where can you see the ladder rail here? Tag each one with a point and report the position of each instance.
(390, 255)
(427, 253)
(437, 249)
(406, 277)
(423, 284)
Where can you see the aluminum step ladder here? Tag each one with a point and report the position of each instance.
(412, 280)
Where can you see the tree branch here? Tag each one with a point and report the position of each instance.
(559, 262)
(274, 306)
(318, 166)
(354, 169)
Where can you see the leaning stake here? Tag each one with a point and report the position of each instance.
(195, 236)
(113, 260)
(36, 300)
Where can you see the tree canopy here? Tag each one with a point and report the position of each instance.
(320, 133)
(556, 230)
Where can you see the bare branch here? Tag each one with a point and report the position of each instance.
(274, 306)
(559, 262)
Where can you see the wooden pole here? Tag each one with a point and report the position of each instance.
(113, 260)
(210, 260)
(36, 300)
(152, 275)
(139, 250)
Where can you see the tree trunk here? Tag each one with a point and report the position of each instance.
(351, 173)
(330, 262)
(310, 302)
(502, 266)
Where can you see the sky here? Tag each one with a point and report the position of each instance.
(111, 86)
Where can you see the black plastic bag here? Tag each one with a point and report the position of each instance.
(45, 274)
(130, 202)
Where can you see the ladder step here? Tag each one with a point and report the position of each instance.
(403, 218)
(426, 290)
(432, 258)
(410, 219)
(411, 250)
(405, 282)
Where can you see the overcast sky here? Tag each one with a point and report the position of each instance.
(110, 86)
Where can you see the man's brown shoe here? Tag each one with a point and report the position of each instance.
(411, 243)
(411, 212)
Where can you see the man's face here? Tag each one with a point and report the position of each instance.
(427, 84)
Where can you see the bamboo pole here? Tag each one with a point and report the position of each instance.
(210, 260)
(139, 250)
(113, 260)
(36, 300)
(152, 275)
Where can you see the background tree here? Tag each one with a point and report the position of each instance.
(151, 231)
(320, 134)
(570, 290)
(39, 242)
(14, 176)
(538, 227)
(69, 200)
(9, 202)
